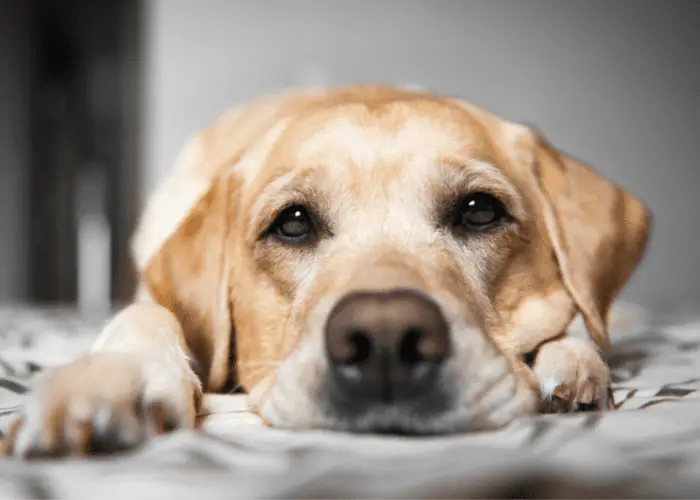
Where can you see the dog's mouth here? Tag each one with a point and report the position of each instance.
(391, 364)
(448, 406)
(393, 420)
(382, 405)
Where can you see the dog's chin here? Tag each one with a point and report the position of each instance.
(403, 420)
(448, 409)
(398, 421)
(391, 420)
(455, 406)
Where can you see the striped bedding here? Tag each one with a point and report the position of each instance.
(649, 447)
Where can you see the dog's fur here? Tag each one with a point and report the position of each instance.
(218, 302)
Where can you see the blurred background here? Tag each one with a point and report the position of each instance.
(96, 99)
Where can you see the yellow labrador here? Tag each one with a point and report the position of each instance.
(367, 258)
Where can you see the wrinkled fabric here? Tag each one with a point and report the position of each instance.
(649, 447)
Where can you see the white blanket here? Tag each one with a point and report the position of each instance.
(649, 447)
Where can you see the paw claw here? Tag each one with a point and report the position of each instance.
(588, 392)
(67, 416)
(579, 374)
(562, 392)
(161, 418)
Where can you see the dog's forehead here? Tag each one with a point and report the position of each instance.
(372, 137)
(357, 148)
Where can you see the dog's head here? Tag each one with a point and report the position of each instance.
(385, 259)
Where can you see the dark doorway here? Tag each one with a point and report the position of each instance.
(84, 130)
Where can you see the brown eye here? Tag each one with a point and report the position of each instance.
(480, 211)
(293, 225)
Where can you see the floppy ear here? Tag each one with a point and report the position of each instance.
(182, 245)
(597, 230)
(587, 238)
(190, 276)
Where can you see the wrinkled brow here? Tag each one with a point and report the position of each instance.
(293, 188)
(457, 179)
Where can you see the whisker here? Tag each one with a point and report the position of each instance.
(524, 238)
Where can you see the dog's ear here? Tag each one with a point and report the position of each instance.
(182, 247)
(584, 241)
(598, 232)
(189, 274)
(179, 249)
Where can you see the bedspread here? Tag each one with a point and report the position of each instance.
(649, 447)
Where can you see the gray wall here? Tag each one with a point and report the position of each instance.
(614, 83)
(13, 151)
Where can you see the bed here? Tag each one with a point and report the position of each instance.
(648, 448)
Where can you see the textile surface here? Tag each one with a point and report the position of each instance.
(648, 448)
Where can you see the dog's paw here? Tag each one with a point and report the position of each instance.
(104, 403)
(572, 376)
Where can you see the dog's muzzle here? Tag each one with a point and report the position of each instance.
(386, 349)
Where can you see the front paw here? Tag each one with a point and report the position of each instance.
(572, 376)
(104, 403)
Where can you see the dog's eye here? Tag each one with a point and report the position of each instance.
(480, 211)
(293, 225)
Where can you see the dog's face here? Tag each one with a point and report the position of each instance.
(392, 261)
(372, 237)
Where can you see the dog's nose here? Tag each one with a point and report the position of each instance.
(386, 345)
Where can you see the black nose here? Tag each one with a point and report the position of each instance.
(386, 345)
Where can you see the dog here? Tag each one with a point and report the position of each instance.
(366, 259)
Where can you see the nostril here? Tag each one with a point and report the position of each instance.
(418, 346)
(356, 348)
(409, 350)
